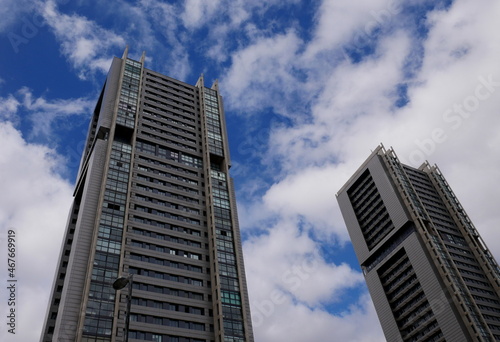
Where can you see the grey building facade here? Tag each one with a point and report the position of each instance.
(153, 202)
(429, 273)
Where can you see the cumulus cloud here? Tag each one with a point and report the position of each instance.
(8, 108)
(44, 112)
(167, 24)
(41, 114)
(261, 74)
(448, 116)
(34, 196)
(197, 14)
(11, 10)
(339, 22)
(428, 91)
(84, 43)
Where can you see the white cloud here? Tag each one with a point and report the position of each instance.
(235, 13)
(166, 20)
(300, 323)
(8, 108)
(83, 42)
(340, 21)
(11, 10)
(261, 74)
(295, 266)
(32, 200)
(197, 13)
(43, 113)
(353, 110)
(296, 285)
(337, 110)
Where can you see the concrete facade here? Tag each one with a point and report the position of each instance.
(153, 200)
(429, 274)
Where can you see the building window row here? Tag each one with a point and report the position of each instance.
(454, 239)
(463, 257)
(146, 336)
(173, 239)
(417, 324)
(189, 98)
(167, 291)
(167, 204)
(167, 194)
(426, 192)
(477, 289)
(164, 225)
(432, 325)
(176, 323)
(402, 321)
(386, 227)
(162, 249)
(224, 234)
(168, 306)
(491, 318)
(401, 270)
(477, 282)
(407, 288)
(488, 308)
(164, 105)
(168, 129)
(463, 264)
(166, 215)
(408, 307)
(169, 98)
(224, 245)
(228, 270)
(485, 299)
(167, 166)
(229, 283)
(494, 327)
(168, 141)
(166, 184)
(167, 153)
(167, 263)
(401, 280)
(165, 276)
(470, 273)
(233, 328)
(170, 103)
(167, 115)
(231, 298)
(153, 78)
(461, 250)
(167, 175)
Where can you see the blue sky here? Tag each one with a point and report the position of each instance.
(310, 88)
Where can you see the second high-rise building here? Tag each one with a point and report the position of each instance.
(429, 273)
(153, 203)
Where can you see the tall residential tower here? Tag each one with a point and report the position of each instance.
(429, 273)
(153, 202)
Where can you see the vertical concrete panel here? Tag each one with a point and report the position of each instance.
(110, 94)
(72, 295)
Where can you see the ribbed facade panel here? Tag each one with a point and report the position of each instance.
(430, 276)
